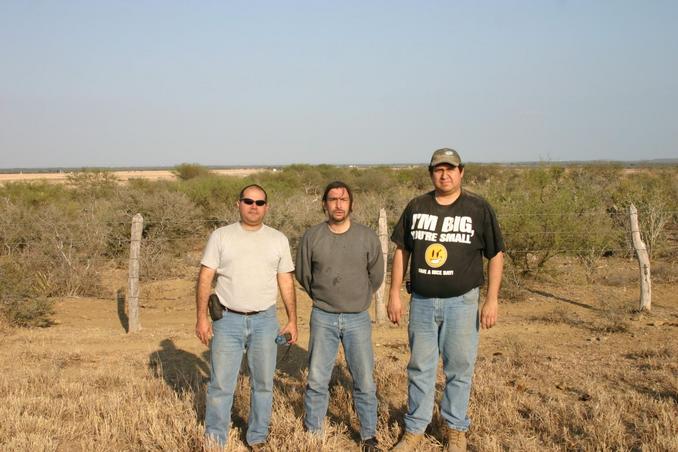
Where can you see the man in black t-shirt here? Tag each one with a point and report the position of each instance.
(445, 234)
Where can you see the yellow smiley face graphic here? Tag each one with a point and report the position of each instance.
(436, 255)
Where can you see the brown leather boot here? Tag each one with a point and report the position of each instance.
(408, 442)
(258, 447)
(456, 440)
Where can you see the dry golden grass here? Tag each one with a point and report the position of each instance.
(557, 373)
(122, 176)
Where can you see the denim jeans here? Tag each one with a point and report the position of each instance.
(233, 335)
(447, 327)
(354, 332)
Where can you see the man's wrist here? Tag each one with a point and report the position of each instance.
(492, 300)
(202, 315)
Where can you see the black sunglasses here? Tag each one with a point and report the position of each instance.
(249, 202)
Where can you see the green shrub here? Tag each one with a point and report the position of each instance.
(172, 225)
(93, 183)
(34, 193)
(654, 194)
(55, 238)
(415, 178)
(478, 175)
(186, 171)
(215, 195)
(548, 212)
(51, 250)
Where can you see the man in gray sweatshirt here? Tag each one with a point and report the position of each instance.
(340, 265)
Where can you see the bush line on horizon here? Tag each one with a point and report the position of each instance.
(55, 237)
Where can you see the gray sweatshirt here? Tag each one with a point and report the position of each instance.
(340, 272)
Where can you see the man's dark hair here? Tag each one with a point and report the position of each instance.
(339, 184)
(242, 192)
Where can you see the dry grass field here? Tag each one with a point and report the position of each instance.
(122, 176)
(570, 366)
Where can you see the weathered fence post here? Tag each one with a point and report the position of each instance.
(643, 262)
(133, 280)
(380, 306)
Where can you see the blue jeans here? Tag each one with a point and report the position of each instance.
(354, 332)
(447, 327)
(233, 335)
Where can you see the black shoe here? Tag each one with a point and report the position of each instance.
(369, 445)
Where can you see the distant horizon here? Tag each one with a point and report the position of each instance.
(649, 162)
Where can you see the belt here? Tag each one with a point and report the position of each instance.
(243, 313)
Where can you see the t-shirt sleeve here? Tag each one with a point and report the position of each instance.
(494, 242)
(375, 262)
(210, 256)
(286, 264)
(400, 236)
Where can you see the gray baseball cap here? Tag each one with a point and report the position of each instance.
(445, 155)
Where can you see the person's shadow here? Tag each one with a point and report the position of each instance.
(292, 360)
(184, 372)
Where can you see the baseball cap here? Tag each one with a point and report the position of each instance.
(445, 155)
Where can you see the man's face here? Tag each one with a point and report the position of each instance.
(338, 205)
(447, 178)
(252, 214)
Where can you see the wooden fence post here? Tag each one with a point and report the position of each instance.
(133, 280)
(643, 262)
(380, 306)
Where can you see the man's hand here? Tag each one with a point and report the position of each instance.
(203, 330)
(291, 328)
(395, 307)
(488, 313)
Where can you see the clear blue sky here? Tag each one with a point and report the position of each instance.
(157, 83)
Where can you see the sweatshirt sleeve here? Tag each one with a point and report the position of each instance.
(303, 264)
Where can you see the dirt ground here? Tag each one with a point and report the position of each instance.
(560, 343)
(169, 307)
(544, 308)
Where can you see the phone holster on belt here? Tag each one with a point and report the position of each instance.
(215, 307)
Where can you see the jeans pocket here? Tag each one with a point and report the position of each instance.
(421, 311)
(471, 297)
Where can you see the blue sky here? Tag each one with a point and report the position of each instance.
(157, 83)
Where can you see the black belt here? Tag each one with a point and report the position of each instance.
(243, 313)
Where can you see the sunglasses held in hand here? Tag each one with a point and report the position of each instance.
(249, 202)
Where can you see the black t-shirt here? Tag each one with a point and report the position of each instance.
(447, 243)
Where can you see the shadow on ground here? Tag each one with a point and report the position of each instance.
(184, 372)
(122, 314)
(188, 374)
(559, 298)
